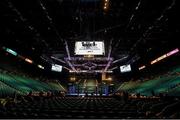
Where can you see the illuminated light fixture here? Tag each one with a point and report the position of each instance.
(142, 67)
(173, 52)
(109, 71)
(40, 66)
(88, 56)
(71, 71)
(109, 79)
(106, 4)
(11, 51)
(103, 76)
(72, 78)
(28, 60)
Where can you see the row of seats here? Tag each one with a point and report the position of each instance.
(89, 107)
(161, 84)
(7, 90)
(11, 83)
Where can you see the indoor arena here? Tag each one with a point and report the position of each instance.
(89, 59)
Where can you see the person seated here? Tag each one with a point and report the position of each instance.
(17, 98)
(3, 102)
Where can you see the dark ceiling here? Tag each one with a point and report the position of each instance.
(135, 29)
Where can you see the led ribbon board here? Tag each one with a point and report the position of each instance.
(11, 51)
(173, 52)
(28, 60)
(165, 55)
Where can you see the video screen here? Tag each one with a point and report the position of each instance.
(89, 48)
(125, 68)
(56, 68)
